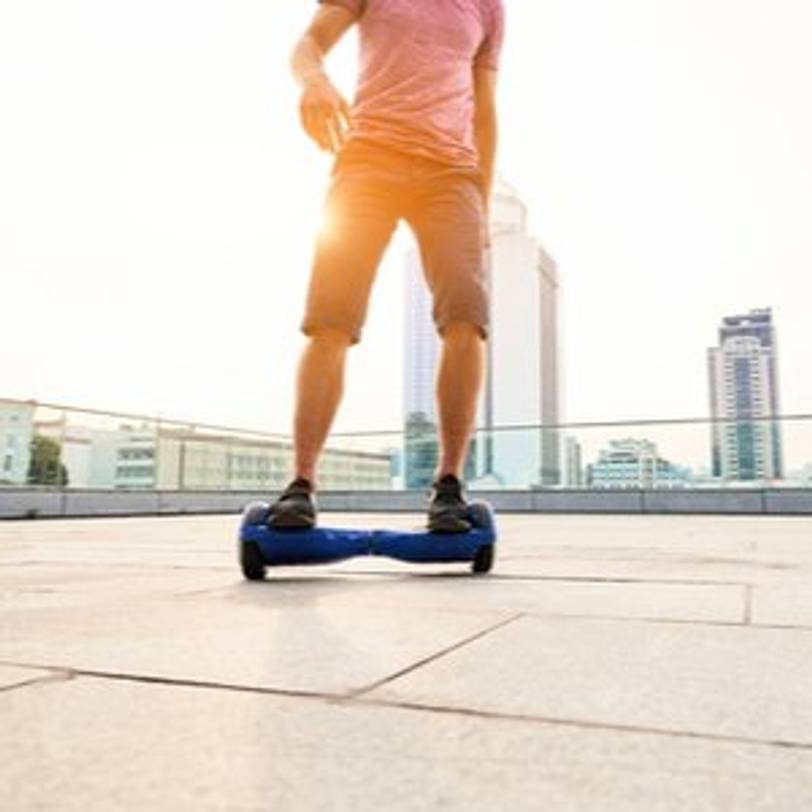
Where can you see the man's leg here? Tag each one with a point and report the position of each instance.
(319, 386)
(448, 220)
(361, 214)
(459, 379)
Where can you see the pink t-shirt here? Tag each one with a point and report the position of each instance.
(415, 90)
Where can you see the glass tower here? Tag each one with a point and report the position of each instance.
(743, 378)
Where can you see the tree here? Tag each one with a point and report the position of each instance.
(45, 467)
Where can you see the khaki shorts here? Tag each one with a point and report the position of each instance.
(372, 188)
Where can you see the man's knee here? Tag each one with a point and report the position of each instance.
(331, 338)
(462, 332)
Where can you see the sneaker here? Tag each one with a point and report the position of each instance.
(447, 508)
(295, 508)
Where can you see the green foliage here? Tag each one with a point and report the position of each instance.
(45, 467)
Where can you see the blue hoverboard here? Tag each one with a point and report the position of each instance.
(261, 547)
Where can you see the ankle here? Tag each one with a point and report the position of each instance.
(448, 484)
(305, 482)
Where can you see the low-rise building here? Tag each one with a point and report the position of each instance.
(190, 460)
(16, 433)
(145, 456)
(632, 463)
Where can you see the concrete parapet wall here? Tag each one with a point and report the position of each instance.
(46, 502)
(585, 501)
(15, 502)
(715, 501)
(788, 501)
(109, 503)
(203, 501)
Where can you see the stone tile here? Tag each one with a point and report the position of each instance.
(727, 681)
(386, 584)
(785, 605)
(668, 533)
(651, 567)
(57, 585)
(90, 745)
(297, 632)
(454, 590)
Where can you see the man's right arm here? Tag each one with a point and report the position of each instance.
(324, 112)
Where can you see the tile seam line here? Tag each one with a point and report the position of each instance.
(432, 658)
(669, 621)
(64, 674)
(578, 579)
(581, 724)
(56, 675)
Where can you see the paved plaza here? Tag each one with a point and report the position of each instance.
(608, 663)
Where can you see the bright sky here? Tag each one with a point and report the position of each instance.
(158, 201)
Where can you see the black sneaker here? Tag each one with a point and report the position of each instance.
(295, 508)
(447, 508)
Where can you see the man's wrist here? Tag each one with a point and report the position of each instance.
(312, 77)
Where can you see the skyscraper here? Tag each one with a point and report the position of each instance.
(572, 466)
(421, 343)
(550, 373)
(421, 346)
(743, 379)
(522, 382)
(523, 371)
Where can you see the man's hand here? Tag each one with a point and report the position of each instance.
(324, 113)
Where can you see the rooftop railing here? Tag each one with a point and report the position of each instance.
(52, 445)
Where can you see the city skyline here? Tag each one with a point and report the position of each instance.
(155, 248)
(100, 450)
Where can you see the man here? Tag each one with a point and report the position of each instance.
(418, 144)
